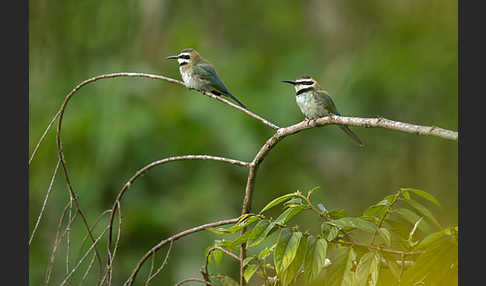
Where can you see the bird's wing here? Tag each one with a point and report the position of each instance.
(207, 72)
(330, 106)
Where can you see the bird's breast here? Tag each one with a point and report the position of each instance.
(188, 77)
(310, 106)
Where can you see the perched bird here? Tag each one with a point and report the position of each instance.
(315, 102)
(197, 73)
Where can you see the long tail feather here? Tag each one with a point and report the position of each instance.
(352, 135)
(235, 99)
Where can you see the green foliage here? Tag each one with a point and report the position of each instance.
(354, 251)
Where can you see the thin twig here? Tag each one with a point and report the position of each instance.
(83, 258)
(45, 202)
(43, 136)
(150, 277)
(131, 279)
(57, 241)
(205, 273)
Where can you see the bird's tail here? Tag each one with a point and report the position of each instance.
(352, 135)
(235, 99)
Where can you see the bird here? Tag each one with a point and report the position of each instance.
(198, 74)
(315, 102)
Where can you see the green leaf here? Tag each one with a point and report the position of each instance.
(364, 269)
(293, 202)
(249, 271)
(331, 233)
(294, 267)
(354, 222)
(424, 211)
(385, 235)
(259, 236)
(337, 214)
(432, 238)
(280, 250)
(289, 213)
(424, 195)
(247, 260)
(277, 201)
(236, 227)
(314, 258)
(392, 266)
(412, 218)
(241, 239)
(224, 280)
(436, 266)
(339, 272)
(264, 253)
(216, 256)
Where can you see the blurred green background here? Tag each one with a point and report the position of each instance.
(396, 59)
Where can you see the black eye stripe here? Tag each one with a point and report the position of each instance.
(305, 82)
(304, 90)
(184, 57)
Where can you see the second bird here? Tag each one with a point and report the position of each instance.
(315, 102)
(197, 73)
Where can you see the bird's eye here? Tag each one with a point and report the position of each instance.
(186, 57)
(309, 82)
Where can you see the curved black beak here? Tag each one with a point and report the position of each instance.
(289, 81)
(172, 57)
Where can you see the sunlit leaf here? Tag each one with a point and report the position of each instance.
(293, 202)
(433, 237)
(436, 266)
(247, 260)
(277, 201)
(363, 269)
(314, 258)
(280, 250)
(424, 195)
(264, 253)
(339, 272)
(262, 235)
(354, 222)
(289, 213)
(249, 271)
(236, 227)
(412, 218)
(424, 211)
(331, 233)
(385, 235)
(293, 268)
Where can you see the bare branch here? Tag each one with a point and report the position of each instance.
(161, 266)
(193, 280)
(45, 202)
(161, 162)
(131, 279)
(205, 273)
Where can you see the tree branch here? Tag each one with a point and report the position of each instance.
(157, 163)
(131, 279)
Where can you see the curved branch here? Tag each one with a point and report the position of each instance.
(131, 279)
(157, 163)
(194, 280)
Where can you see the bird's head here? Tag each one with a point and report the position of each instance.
(187, 56)
(303, 84)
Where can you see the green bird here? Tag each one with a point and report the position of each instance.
(315, 102)
(198, 74)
